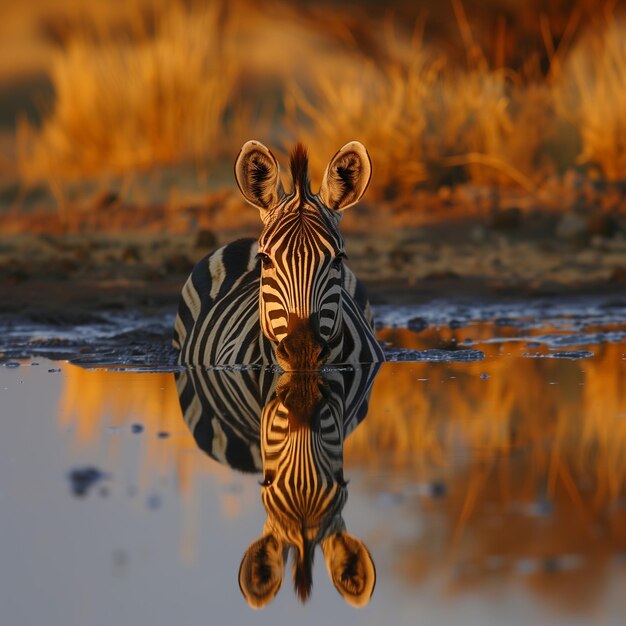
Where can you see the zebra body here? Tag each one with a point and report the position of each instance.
(287, 298)
(218, 316)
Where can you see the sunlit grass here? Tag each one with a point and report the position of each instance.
(385, 108)
(592, 96)
(188, 82)
(427, 119)
(132, 103)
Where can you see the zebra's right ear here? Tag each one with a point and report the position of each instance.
(346, 177)
(261, 571)
(350, 567)
(258, 176)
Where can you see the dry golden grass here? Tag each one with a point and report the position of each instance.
(383, 108)
(424, 118)
(195, 80)
(142, 100)
(591, 94)
(477, 117)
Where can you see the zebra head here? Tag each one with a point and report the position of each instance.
(304, 492)
(301, 250)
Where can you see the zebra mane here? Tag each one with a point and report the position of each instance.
(299, 166)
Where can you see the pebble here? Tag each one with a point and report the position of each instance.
(178, 264)
(602, 225)
(417, 324)
(131, 254)
(82, 479)
(438, 489)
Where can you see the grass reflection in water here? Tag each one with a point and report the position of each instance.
(526, 456)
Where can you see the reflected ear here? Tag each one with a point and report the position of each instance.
(347, 176)
(258, 176)
(261, 571)
(350, 567)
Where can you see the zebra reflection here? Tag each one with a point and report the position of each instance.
(291, 427)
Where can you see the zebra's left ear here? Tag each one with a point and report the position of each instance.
(261, 571)
(350, 567)
(258, 176)
(347, 176)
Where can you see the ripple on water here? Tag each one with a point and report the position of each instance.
(563, 354)
(433, 355)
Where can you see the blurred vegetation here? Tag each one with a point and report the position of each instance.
(495, 93)
(157, 95)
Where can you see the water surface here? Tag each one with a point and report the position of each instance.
(487, 479)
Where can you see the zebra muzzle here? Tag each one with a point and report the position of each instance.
(302, 348)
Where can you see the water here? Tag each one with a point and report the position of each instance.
(487, 479)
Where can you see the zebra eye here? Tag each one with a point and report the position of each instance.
(338, 260)
(267, 479)
(265, 259)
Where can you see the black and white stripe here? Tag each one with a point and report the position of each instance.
(243, 300)
(223, 408)
(292, 427)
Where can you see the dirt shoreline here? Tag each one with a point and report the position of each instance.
(60, 296)
(508, 255)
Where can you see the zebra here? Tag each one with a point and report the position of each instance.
(291, 427)
(288, 298)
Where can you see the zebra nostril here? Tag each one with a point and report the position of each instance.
(268, 479)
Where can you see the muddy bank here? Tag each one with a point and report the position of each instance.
(107, 295)
(139, 338)
(468, 257)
